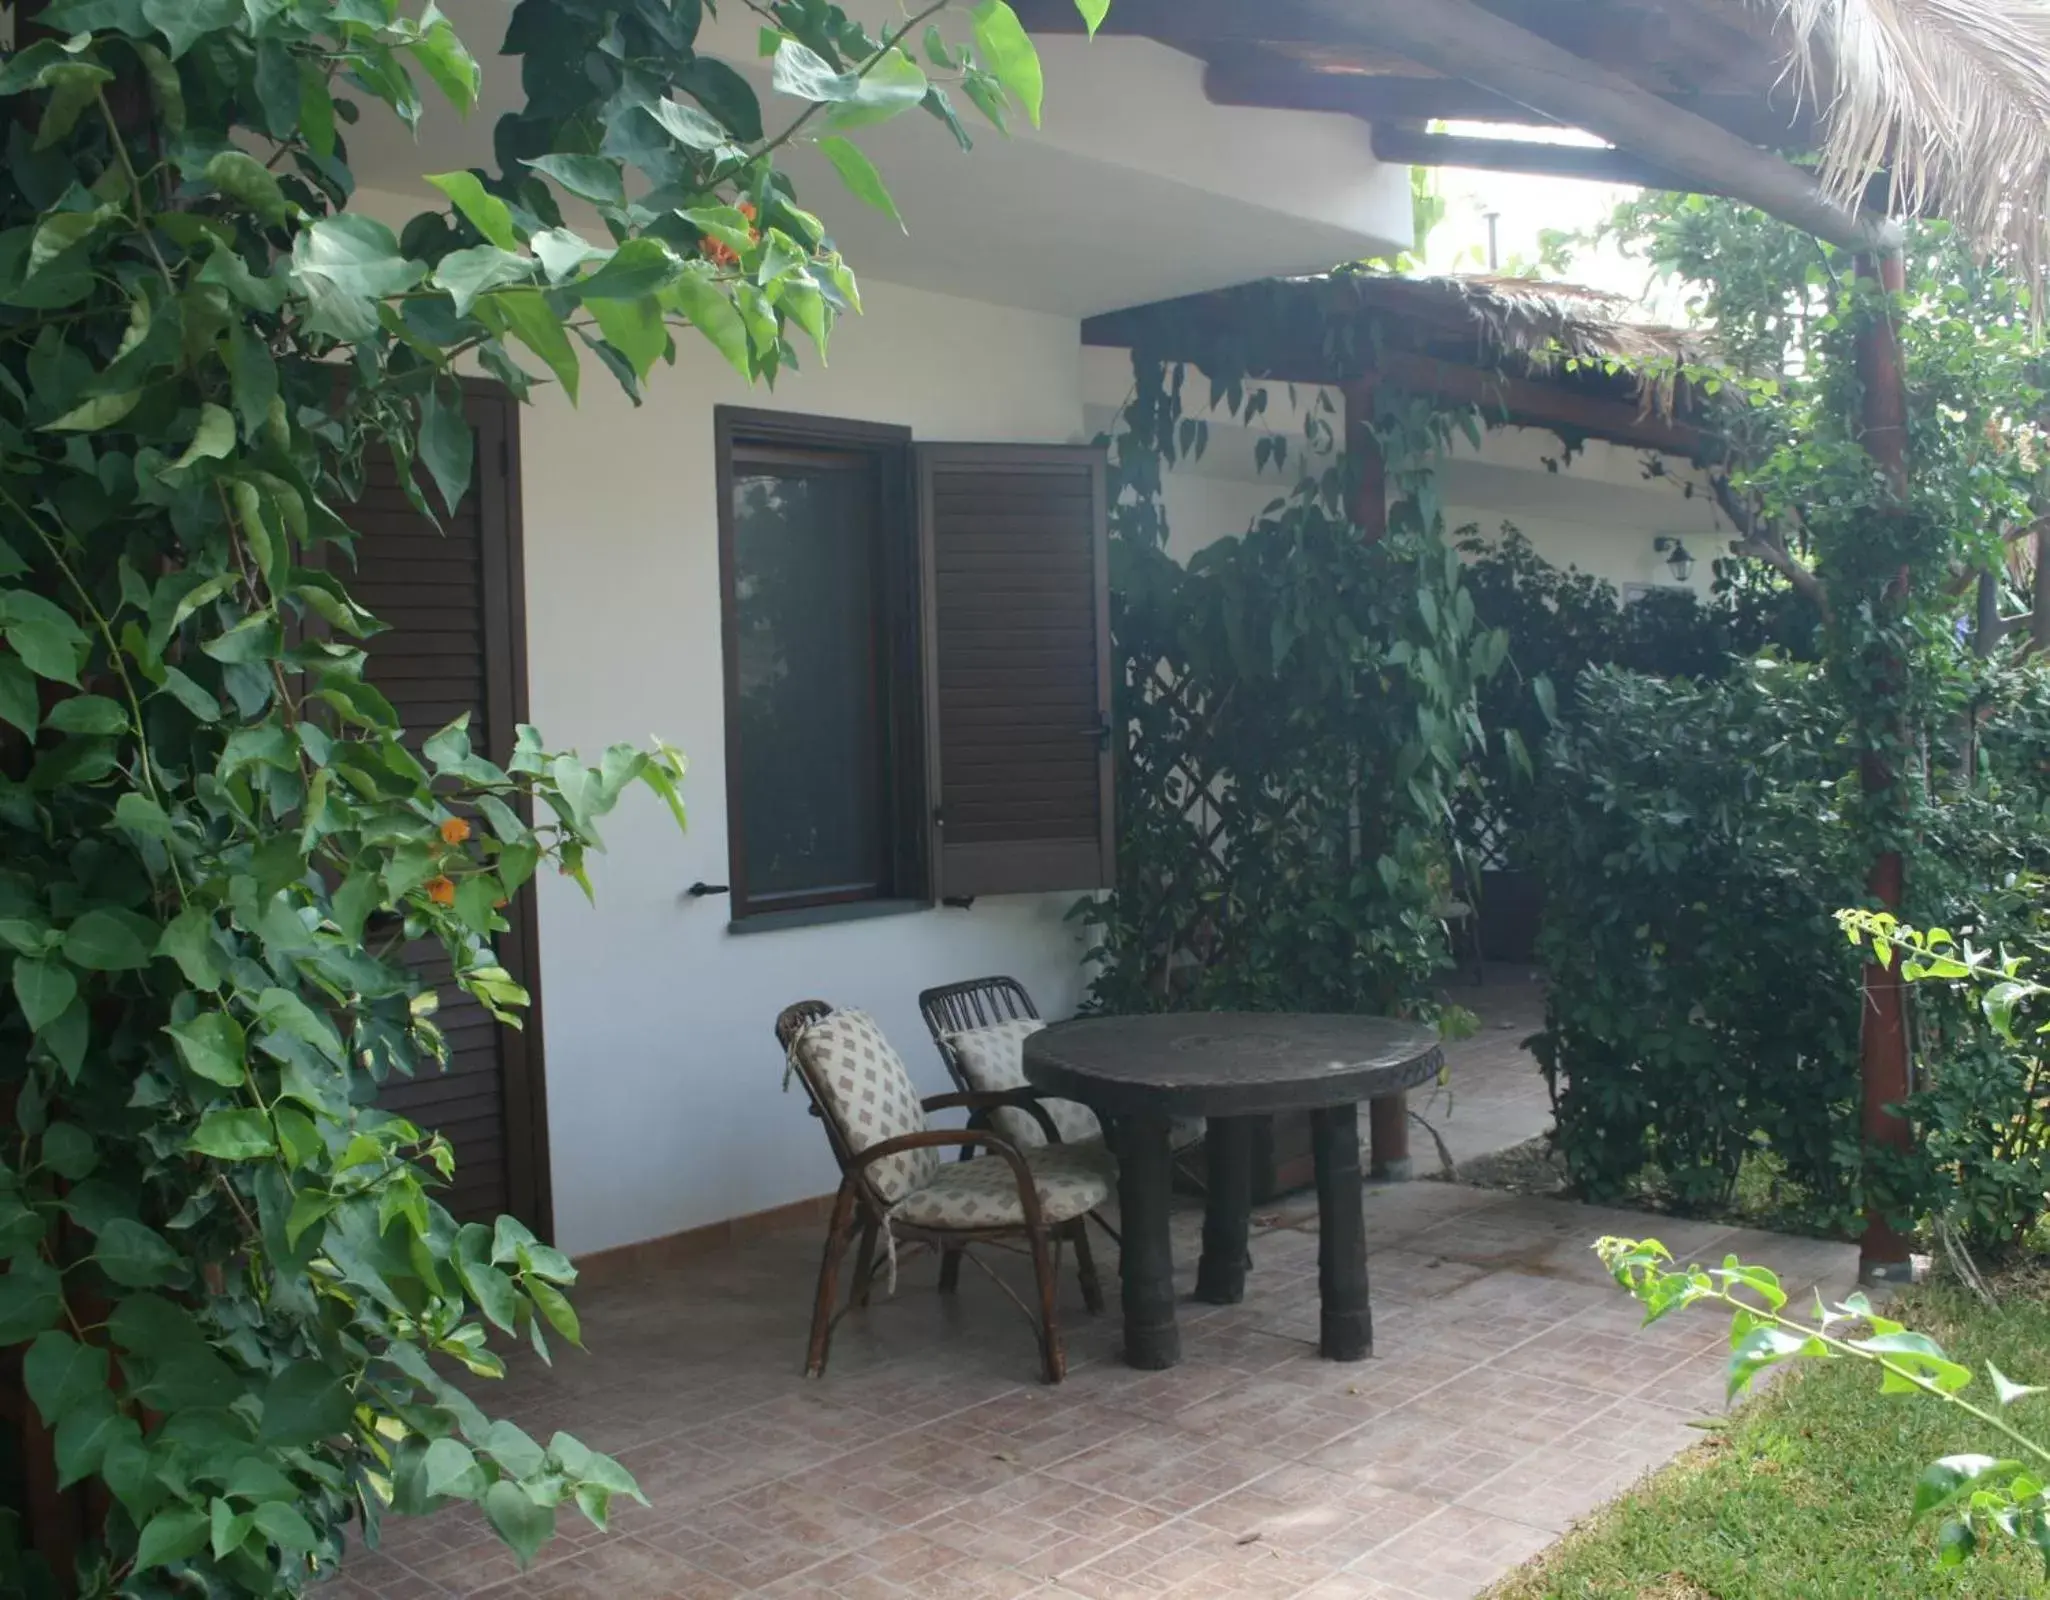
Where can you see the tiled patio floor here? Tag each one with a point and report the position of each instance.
(1511, 1392)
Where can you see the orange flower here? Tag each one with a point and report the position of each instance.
(721, 254)
(441, 891)
(454, 831)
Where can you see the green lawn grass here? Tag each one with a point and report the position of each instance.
(1804, 1495)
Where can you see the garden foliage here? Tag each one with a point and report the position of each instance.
(1299, 711)
(242, 1305)
(1698, 837)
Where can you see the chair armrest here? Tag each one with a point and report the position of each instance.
(1028, 1191)
(992, 1099)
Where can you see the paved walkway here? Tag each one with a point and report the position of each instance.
(1511, 1391)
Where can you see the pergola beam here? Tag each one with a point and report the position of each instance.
(1460, 38)
(1410, 147)
(1378, 97)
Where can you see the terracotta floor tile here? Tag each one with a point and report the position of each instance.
(1511, 1389)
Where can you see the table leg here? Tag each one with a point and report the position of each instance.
(1228, 1149)
(1388, 1132)
(1146, 1256)
(1348, 1324)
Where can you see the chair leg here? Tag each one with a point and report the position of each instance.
(950, 1268)
(1085, 1266)
(1053, 1359)
(864, 1265)
(839, 1234)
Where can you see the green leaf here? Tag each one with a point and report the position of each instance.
(186, 22)
(1007, 51)
(892, 85)
(1093, 12)
(20, 703)
(142, 816)
(536, 326)
(356, 253)
(234, 1136)
(99, 411)
(466, 274)
(213, 438)
(484, 211)
(213, 1046)
(172, 1534)
(592, 178)
(108, 940)
(230, 1529)
(305, 1403)
(444, 58)
(638, 267)
(690, 127)
(83, 1437)
(562, 252)
(634, 328)
(136, 1255)
(73, 86)
(714, 315)
(522, 1524)
(724, 93)
(68, 1151)
(860, 176)
(31, 1299)
(61, 1373)
(555, 1306)
(189, 941)
(445, 444)
(242, 177)
(44, 989)
(88, 713)
(450, 1468)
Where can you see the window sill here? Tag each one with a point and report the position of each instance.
(816, 916)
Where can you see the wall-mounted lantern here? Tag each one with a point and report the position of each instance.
(1669, 546)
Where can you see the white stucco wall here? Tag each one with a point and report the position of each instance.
(664, 1102)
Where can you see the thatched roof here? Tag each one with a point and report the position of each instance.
(1537, 325)
(1543, 350)
(1522, 325)
(1949, 99)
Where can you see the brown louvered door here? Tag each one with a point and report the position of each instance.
(457, 643)
(1017, 603)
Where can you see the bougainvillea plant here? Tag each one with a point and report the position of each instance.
(235, 1299)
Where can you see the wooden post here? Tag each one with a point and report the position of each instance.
(1387, 1117)
(1883, 1033)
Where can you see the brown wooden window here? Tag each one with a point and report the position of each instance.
(917, 694)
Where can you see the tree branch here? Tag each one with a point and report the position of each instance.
(1762, 541)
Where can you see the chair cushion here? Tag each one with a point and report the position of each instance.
(993, 1059)
(983, 1193)
(869, 1095)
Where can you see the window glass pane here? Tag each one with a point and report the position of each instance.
(804, 564)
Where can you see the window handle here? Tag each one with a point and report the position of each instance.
(1101, 733)
(700, 889)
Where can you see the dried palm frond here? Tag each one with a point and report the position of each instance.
(1949, 98)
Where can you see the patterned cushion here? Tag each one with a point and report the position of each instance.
(869, 1094)
(993, 1059)
(983, 1193)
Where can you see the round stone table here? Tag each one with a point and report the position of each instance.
(1136, 1073)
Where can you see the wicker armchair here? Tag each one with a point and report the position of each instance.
(893, 1184)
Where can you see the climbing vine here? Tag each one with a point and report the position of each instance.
(241, 1307)
(1297, 706)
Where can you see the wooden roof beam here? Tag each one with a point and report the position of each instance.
(1409, 147)
(1240, 81)
(1459, 38)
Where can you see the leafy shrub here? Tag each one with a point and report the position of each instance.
(1700, 1003)
(1561, 621)
(1697, 841)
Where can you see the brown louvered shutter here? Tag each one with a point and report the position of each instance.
(457, 643)
(1017, 610)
